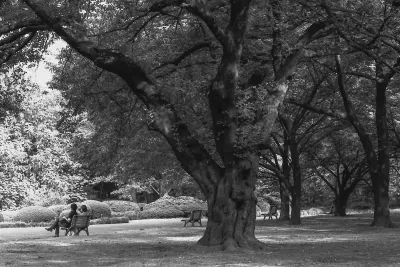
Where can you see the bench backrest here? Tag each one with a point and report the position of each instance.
(80, 221)
(196, 214)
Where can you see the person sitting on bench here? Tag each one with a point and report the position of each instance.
(64, 220)
(83, 210)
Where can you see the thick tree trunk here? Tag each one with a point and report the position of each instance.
(232, 208)
(285, 203)
(341, 202)
(380, 185)
(296, 192)
(380, 180)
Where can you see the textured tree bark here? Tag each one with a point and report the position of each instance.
(341, 202)
(296, 192)
(232, 208)
(380, 179)
(285, 203)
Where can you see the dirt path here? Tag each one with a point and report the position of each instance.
(320, 241)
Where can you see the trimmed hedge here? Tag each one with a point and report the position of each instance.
(13, 225)
(58, 208)
(122, 205)
(161, 212)
(107, 220)
(35, 214)
(171, 207)
(132, 215)
(97, 209)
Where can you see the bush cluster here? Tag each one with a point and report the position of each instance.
(132, 215)
(122, 205)
(156, 212)
(108, 220)
(263, 205)
(13, 225)
(58, 208)
(97, 209)
(35, 214)
(171, 207)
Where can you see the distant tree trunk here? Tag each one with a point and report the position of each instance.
(380, 179)
(133, 193)
(341, 202)
(285, 203)
(284, 192)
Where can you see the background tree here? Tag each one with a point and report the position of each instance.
(341, 165)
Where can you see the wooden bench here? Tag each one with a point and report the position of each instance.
(78, 223)
(273, 211)
(195, 216)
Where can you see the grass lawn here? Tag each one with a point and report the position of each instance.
(320, 241)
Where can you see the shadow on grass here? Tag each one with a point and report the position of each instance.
(320, 241)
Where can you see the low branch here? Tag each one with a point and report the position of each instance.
(184, 55)
(328, 112)
(18, 48)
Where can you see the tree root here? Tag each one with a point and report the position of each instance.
(389, 224)
(230, 245)
(257, 244)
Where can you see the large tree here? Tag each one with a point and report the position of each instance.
(242, 114)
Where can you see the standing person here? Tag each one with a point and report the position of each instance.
(64, 220)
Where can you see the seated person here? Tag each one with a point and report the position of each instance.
(83, 210)
(64, 220)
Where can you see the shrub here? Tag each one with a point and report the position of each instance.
(132, 215)
(9, 215)
(7, 225)
(107, 220)
(141, 205)
(161, 212)
(12, 224)
(102, 220)
(97, 209)
(171, 207)
(58, 208)
(360, 206)
(1, 217)
(122, 206)
(122, 219)
(258, 211)
(35, 214)
(263, 205)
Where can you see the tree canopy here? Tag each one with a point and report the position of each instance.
(214, 79)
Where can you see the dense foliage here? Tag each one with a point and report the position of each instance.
(249, 98)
